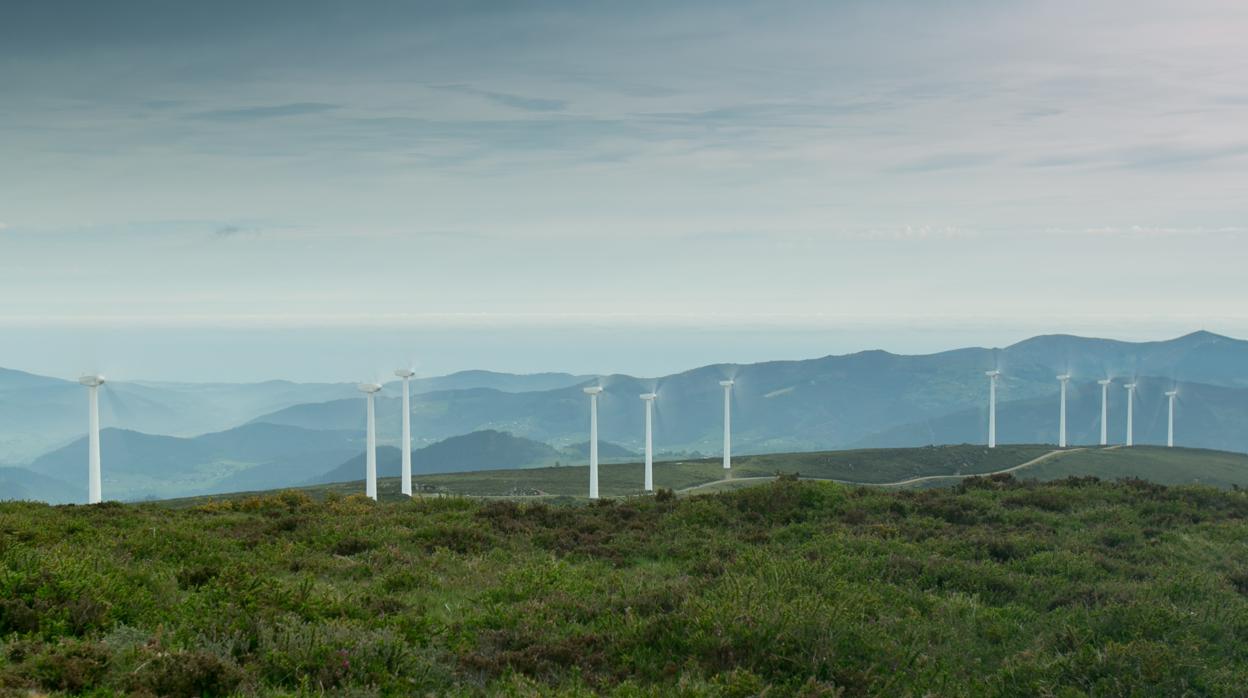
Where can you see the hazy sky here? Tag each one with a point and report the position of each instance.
(786, 176)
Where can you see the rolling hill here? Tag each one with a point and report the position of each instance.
(480, 450)
(868, 398)
(922, 467)
(39, 414)
(137, 465)
(1206, 416)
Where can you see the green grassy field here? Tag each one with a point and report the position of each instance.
(992, 587)
(869, 465)
(1167, 466)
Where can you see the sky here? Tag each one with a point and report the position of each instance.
(311, 189)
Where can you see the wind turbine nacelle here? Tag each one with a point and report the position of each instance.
(993, 373)
(1171, 393)
(1064, 377)
(648, 396)
(405, 373)
(1105, 381)
(726, 383)
(92, 381)
(593, 390)
(369, 388)
(1129, 386)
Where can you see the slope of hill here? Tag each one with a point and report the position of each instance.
(38, 413)
(1199, 357)
(793, 588)
(480, 450)
(1165, 466)
(619, 479)
(929, 466)
(18, 484)
(1206, 416)
(137, 465)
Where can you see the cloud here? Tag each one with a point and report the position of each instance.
(1144, 157)
(266, 112)
(539, 104)
(1170, 156)
(945, 161)
(232, 230)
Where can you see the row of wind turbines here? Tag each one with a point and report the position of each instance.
(995, 375)
(370, 390)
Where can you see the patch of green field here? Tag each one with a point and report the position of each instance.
(993, 587)
(614, 480)
(1167, 466)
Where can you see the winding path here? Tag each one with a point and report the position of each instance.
(900, 483)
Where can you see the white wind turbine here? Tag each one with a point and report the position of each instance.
(93, 383)
(1104, 383)
(1061, 430)
(648, 398)
(406, 445)
(593, 393)
(727, 384)
(1130, 413)
(370, 454)
(1171, 394)
(993, 376)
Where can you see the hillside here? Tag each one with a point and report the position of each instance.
(792, 588)
(17, 484)
(1206, 416)
(1166, 466)
(870, 398)
(38, 413)
(256, 456)
(930, 466)
(480, 450)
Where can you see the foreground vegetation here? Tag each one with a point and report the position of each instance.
(791, 588)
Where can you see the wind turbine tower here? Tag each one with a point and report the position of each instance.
(1104, 383)
(648, 398)
(93, 383)
(1130, 413)
(406, 446)
(1170, 430)
(593, 393)
(993, 376)
(1061, 429)
(727, 384)
(370, 454)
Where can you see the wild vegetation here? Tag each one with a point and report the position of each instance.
(993, 587)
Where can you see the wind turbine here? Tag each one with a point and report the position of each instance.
(1130, 413)
(1061, 430)
(1170, 431)
(1104, 383)
(727, 384)
(370, 454)
(93, 383)
(648, 398)
(993, 376)
(406, 446)
(593, 393)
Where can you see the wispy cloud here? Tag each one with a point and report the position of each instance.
(945, 161)
(506, 99)
(273, 111)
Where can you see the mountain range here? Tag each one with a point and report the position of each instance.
(181, 439)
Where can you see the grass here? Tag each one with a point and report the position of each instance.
(1167, 466)
(992, 587)
(866, 465)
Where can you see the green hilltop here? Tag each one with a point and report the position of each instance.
(990, 587)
